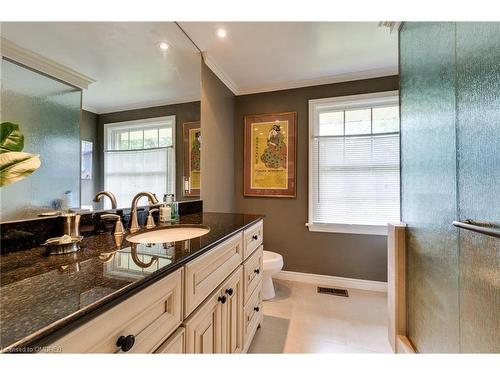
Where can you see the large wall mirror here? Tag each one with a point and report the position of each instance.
(93, 106)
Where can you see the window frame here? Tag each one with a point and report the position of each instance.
(384, 98)
(154, 122)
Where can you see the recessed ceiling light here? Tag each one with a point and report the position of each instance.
(163, 46)
(221, 33)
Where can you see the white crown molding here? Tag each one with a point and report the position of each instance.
(286, 85)
(332, 281)
(142, 105)
(215, 68)
(42, 64)
(293, 84)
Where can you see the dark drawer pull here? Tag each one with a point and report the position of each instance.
(257, 270)
(255, 237)
(256, 308)
(222, 299)
(125, 343)
(229, 291)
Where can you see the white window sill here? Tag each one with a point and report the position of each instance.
(379, 230)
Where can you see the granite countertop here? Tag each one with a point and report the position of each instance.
(42, 297)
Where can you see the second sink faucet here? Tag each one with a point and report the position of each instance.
(134, 224)
(108, 194)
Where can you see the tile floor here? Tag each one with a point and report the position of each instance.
(299, 320)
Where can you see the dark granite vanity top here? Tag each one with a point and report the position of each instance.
(43, 297)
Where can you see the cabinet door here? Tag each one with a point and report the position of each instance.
(232, 317)
(252, 315)
(204, 327)
(205, 274)
(175, 344)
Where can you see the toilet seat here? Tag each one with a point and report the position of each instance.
(272, 260)
(272, 264)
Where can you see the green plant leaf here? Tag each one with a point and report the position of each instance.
(11, 138)
(15, 166)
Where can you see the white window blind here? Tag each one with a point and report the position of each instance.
(354, 163)
(140, 156)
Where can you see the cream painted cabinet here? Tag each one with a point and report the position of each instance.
(212, 305)
(176, 343)
(204, 274)
(204, 327)
(252, 238)
(217, 325)
(252, 316)
(232, 313)
(139, 324)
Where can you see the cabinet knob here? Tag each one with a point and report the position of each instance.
(222, 299)
(125, 343)
(257, 270)
(229, 291)
(256, 308)
(255, 237)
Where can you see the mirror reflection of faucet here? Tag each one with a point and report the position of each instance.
(108, 194)
(137, 261)
(106, 257)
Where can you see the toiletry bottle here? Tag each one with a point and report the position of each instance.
(175, 209)
(165, 210)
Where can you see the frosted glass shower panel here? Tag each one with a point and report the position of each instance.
(478, 161)
(428, 183)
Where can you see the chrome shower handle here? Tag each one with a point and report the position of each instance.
(483, 227)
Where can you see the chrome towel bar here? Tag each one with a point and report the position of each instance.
(489, 229)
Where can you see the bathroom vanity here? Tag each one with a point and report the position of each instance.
(201, 295)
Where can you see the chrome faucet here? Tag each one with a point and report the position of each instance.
(134, 224)
(108, 194)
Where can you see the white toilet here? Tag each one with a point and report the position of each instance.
(273, 263)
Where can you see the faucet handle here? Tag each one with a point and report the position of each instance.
(110, 217)
(150, 223)
(119, 230)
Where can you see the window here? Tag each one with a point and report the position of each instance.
(140, 156)
(354, 163)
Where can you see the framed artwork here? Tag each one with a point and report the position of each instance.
(192, 158)
(86, 163)
(270, 155)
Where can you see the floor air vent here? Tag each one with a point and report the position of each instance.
(333, 291)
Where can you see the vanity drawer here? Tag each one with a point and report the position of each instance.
(175, 344)
(252, 238)
(150, 316)
(252, 272)
(204, 274)
(252, 315)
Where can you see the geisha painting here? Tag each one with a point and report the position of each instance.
(195, 151)
(275, 155)
(270, 155)
(192, 158)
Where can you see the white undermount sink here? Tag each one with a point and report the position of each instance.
(169, 234)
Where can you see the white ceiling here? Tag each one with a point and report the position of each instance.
(122, 57)
(266, 56)
(131, 72)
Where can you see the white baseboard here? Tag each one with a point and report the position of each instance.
(332, 281)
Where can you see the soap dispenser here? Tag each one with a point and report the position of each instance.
(166, 209)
